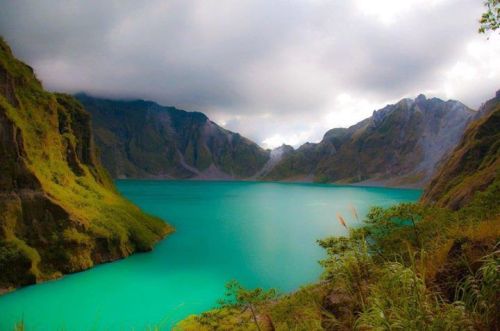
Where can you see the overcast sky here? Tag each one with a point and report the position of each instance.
(279, 71)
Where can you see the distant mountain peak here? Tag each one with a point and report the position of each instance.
(399, 145)
(420, 98)
(284, 148)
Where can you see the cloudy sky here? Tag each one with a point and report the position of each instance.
(280, 71)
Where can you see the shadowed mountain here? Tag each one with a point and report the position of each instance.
(399, 145)
(59, 210)
(141, 139)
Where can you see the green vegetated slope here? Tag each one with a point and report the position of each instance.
(399, 145)
(475, 163)
(141, 139)
(432, 265)
(59, 210)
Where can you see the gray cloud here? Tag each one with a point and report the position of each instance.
(265, 68)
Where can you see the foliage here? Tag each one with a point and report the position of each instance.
(399, 300)
(218, 319)
(301, 310)
(348, 263)
(479, 292)
(490, 20)
(384, 226)
(237, 296)
(240, 300)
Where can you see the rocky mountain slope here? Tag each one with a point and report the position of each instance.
(59, 210)
(275, 156)
(474, 164)
(141, 139)
(399, 145)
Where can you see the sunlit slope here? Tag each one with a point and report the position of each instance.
(59, 210)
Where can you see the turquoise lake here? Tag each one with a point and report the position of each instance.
(262, 234)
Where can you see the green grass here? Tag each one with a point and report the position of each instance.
(60, 209)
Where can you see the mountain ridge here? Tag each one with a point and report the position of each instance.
(166, 142)
(142, 139)
(380, 150)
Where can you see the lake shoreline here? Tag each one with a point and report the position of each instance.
(297, 181)
(261, 233)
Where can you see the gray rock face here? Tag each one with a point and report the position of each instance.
(442, 128)
(275, 157)
(141, 139)
(399, 145)
(473, 166)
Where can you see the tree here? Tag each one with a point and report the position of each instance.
(237, 297)
(490, 20)
(386, 226)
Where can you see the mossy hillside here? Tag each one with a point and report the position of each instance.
(60, 210)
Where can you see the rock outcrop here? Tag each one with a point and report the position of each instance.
(59, 210)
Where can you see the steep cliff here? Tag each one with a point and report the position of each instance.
(59, 210)
(141, 139)
(473, 166)
(399, 145)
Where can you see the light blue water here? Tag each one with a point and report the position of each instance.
(262, 234)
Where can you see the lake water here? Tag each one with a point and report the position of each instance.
(262, 234)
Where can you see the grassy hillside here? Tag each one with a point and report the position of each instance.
(141, 139)
(59, 210)
(415, 266)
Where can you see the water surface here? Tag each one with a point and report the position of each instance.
(262, 234)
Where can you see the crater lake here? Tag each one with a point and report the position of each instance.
(262, 234)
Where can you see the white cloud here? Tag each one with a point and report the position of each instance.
(346, 110)
(275, 71)
(389, 12)
(475, 73)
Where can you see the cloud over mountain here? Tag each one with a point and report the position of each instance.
(279, 71)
